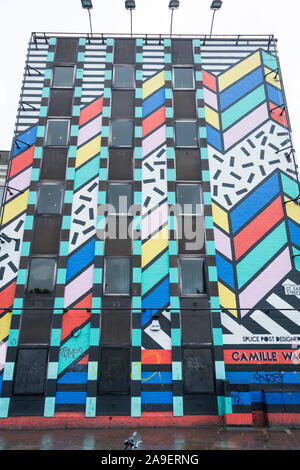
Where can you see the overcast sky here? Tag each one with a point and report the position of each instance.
(18, 18)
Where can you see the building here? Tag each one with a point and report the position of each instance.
(194, 316)
(4, 156)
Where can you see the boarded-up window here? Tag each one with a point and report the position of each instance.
(195, 327)
(36, 320)
(182, 52)
(60, 103)
(184, 105)
(114, 371)
(30, 372)
(66, 50)
(198, 371)
(122, 106)
(188, 167)
(46, 235)
(124, 51)
(115, 327)
(120, 166)
(54, 163)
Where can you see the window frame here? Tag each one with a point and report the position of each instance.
(195, 121)
(114, 87)
(176, 67)
(190, 183)
(50, 183)
(63, 86)
(110, 143)
(68, 120)
(120, 183)
(55, 271)
(109, 294)
(203, 257)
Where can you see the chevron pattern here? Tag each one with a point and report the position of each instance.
(241, 99)
(75, 330)
(13, 216)
(156, 345)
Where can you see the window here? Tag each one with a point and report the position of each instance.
(60, 103)
(122, 106)
(54, 163)
(186, 134)
(36, 320)
(120, 197)
(117, 276)
(184, 78)
(193, 278)
(121, 134)
(50, 199)
(41, 276)
(114, 371)
(198, 376)
(57, 132)
(66, 50)
(63, 77)
(30, 372)
(189, 198)
(46, 235)
(123, 76)
(115, 327)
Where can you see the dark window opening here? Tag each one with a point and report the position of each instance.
(120, 164)
(185, 105)
(115, 327)
(114, 371)
(66, 50)
(188, 164)
(60, 103)
(198, 371)
(46, 235)
(30, 372)
(182, 52)
(122, 104)
(124, 51)
(54, 163)
(41, 276)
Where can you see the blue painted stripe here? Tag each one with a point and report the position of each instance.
(254, 203)
(154, 102)
(274, 377)
(80, 259)
(157, 397)
(213, 137)
(157, 377)
(225, 271)
(276, 398)
(241, 398)
(70, 397)
(239, 89)
(29, 137)
(294, 233)
(73, 378)
(156, 299)
(274, 95)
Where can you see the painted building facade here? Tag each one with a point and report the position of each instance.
(151, 324)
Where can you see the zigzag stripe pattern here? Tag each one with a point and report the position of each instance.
(241, 99)
(75, 331)
(156, 345)
(13, 215)
(257, 257)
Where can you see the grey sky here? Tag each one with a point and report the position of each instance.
(18, 18)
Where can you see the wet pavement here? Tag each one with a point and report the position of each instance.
(153, 439)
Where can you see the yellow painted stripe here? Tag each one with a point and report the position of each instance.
(15, 207)
(212, 117)
(220, 217)
(88, 151)
(154, 246)
(292, 210)
(5, 326)
(153, 84)
(270, 78)
(238, 71)
(227, 299)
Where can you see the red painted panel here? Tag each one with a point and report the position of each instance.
(7, 296)
(278, 115)
(153, 121)
(74, 318)
(23, 160)
(156, 356)
(258, 227)
(90, 111)
(209, 80)
(261, 356)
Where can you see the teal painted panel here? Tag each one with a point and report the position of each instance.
(290, 187)
(155, 272)
(261, 254)
(77, 345)
(244, 106)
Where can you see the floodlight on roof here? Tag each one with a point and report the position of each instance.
(216, 4)
(130, 4)
(87, 4)
(174, 4)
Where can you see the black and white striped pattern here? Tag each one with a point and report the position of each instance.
(93, 71)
